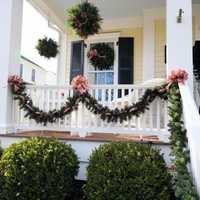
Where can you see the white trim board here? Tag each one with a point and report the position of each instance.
(107, 36)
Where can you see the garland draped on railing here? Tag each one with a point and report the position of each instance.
(183, 183)
(18, 88)
(184, 186)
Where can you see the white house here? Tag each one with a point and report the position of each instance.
(33, 73)
(148, 42)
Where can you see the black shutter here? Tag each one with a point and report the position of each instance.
(196, 60)
(126, 51)
(77, 59)
(196, 54)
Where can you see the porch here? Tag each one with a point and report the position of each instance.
(149, 30)
(160, 45)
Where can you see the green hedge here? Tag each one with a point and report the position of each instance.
(128, 171)
(38, 169)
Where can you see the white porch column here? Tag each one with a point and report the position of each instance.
(61, 71)
(179, 37)
(10, 40)
(149, 47)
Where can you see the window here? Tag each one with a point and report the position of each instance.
(101, 77)
(21, 70)
(33, 75)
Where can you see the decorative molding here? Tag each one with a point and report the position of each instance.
(105, 36)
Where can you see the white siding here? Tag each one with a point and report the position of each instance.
(42, 76)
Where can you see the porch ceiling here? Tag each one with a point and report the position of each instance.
(110, 8)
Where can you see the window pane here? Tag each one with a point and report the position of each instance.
(101, 77)
(109, 78)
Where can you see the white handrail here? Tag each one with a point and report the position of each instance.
(92, 86)
(192, 123)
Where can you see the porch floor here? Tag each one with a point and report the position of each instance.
(98, 137)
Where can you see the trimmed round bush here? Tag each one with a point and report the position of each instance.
(128, 171)
(39, 169)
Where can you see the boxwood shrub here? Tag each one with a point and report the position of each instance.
(38, 169)
(127, 171)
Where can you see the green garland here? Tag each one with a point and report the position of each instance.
(85, 19)
(184, 187)
(101, 56)
(91, 103)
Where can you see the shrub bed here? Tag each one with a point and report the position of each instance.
(38, 169)
(128, 171)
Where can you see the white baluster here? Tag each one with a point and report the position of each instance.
(158, 115)
(103, 96)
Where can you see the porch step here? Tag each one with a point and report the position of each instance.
(98, 137)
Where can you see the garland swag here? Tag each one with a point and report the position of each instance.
(19, 91)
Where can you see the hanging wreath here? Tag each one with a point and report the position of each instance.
(47, 47)
(85, 19)
(101, 56)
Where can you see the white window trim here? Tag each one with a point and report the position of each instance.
(103, 37)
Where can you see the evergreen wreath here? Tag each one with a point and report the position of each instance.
(85, 19)
(101, 56)
(47, 47)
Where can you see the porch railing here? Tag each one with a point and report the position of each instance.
(152, 122)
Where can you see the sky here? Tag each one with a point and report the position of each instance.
(34, 27)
